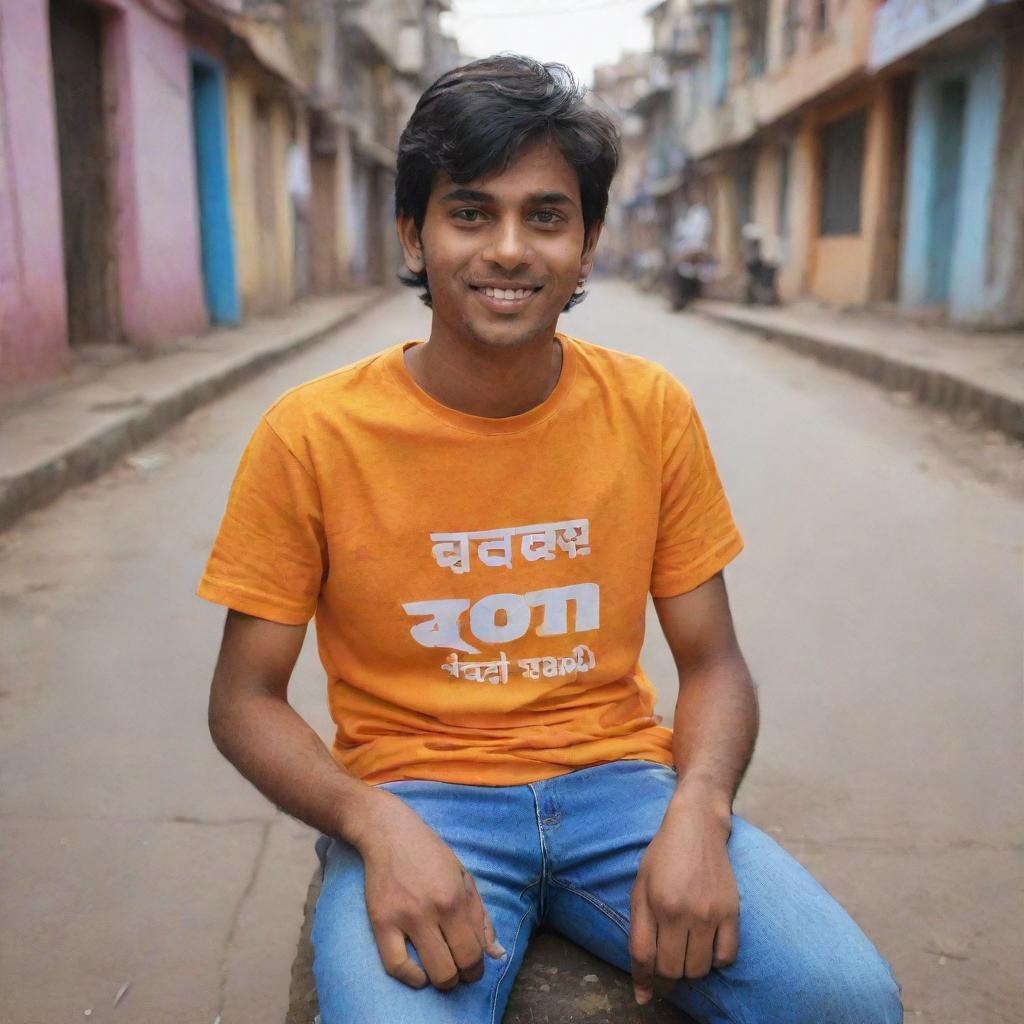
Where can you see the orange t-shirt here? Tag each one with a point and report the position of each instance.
(479, 584)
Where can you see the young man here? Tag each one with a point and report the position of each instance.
(476, 522)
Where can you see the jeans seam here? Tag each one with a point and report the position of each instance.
(526, 888)
(608, 912)
(507, 967)
(542, 908)
(616, 918)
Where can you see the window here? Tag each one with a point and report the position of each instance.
(842, 165)
(755, 31)
(721, 53)
(821, 15)
(746, 184)
(785, 158)
(757, 55)
(790, 28)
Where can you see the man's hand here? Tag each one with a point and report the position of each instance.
(415, 886)
(685, 905)
(417, 889)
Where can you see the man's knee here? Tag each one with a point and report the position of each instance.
(833, 992)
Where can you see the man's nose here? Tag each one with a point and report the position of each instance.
(508, 246)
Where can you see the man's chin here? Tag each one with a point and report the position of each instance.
(511, 331)
(513, 335)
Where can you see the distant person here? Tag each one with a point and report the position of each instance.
(691, 265)
(300, 193)
(476, 522)
(691, 232)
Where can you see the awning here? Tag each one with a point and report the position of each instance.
(265, 40)
(903, 26)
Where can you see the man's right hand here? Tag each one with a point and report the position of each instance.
(415, 886)
(417, 889)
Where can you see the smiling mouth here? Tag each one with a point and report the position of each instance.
(506, 294)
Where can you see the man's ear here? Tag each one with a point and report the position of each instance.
(412, 246)
(589, 247)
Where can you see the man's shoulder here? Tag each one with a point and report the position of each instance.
(334, 394)
(634, 378)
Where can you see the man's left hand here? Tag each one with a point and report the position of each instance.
(685, 905)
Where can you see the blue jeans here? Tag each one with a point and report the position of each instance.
(564, 853)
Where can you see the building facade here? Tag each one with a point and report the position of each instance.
(96, 243)
(170, 164)
(962, 241)
(876, 145)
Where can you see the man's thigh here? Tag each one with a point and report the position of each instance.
(504, 861)
(802, 959)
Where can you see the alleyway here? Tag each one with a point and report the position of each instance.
(879, 602)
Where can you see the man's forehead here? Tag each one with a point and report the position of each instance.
(537, 170)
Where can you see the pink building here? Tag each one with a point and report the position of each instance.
(99, 231)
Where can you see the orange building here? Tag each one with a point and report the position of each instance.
(797, 138)
(876, 144)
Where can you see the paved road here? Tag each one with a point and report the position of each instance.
(879, 601)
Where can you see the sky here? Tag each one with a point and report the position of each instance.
(580, 33)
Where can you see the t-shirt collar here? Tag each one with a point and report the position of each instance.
(395, 361)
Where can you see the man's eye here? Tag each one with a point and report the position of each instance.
(468, 214)
(548, 216)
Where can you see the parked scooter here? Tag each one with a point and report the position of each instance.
(687, 278)
(761, 287)
(690, 265)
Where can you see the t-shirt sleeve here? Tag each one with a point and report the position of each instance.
(270, 556)
(697, 536)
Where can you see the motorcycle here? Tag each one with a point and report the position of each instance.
(761, 286)
(687, 278)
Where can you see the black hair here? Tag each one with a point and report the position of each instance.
(475, 119)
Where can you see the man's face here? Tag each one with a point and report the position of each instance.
(503, 254)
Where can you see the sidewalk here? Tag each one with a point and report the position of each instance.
(974, 374)
(82, 426)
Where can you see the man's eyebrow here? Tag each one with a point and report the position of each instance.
(551, 199)
(472, 195)
(467, 195)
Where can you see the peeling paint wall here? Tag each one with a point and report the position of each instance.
(1006, 241)
(33, 328)
(153, 194)
(157, 218)
(841, 268)
(258, 135)
(976, 293)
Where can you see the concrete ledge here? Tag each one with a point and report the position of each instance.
(992, 403)
(79, 431)
(559, 984)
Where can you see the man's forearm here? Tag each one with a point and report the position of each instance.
(715, 728)
(278, 752)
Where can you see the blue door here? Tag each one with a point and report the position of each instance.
(946, 189)
(217, 239)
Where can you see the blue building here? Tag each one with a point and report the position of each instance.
(962, 248)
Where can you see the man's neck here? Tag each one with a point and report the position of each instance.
(485, 381)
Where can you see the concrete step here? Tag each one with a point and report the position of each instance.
(559, 983)
(83, 426)
(976, 376)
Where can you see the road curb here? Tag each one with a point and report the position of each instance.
(87, 457)
(929, 386)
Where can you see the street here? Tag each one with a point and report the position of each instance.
(879, 602)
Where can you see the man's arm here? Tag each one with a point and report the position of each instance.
(415, 886)
(685, 905)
